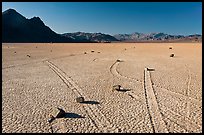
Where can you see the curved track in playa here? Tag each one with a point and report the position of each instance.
(157, 122)
(92, 110)
(156, 114)
(114, 72)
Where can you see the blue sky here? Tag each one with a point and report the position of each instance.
(115, 17)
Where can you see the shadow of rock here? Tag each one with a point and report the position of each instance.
(90, 102)
(118, 60)
(72, 55)
(150, 69)
(73, 115)
(123, 90)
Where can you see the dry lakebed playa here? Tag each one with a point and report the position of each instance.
(159, 93)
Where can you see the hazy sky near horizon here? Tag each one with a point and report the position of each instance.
(115, 17)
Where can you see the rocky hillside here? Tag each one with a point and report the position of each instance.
(17, 28)
(93, 37)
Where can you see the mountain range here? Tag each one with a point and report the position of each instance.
(156, 37)
(18, 29)
(95, 37)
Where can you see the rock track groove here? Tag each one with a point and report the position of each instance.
(152, 97)
(156, 117)
(92, 110)
(115, 72)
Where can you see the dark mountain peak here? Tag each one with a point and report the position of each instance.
(36, 18)
(16, 28)
(12, 18)
(36, 21)
(79, 32)
(12, 13)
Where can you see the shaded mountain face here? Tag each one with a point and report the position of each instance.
(93, 37)
(16, 28)
(156, 37)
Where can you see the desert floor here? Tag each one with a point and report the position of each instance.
(38, 78)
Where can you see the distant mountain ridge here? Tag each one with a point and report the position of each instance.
(155, 37)
(94, 37)
(18, 29)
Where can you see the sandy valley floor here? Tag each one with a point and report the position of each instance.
(168, 99)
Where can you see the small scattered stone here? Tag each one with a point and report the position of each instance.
(172, 55)
(92, 51)
(116, 87)
(118, 60)
(51, 118)
(99, 52)
(170, 47)
(80, 99)
(85, 53)
(28, 55)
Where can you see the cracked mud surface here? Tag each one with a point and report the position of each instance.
(168, 99)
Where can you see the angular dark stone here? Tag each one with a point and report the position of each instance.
(61, 113)
(51, 119)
